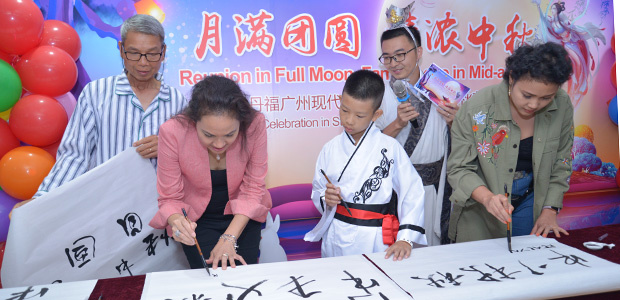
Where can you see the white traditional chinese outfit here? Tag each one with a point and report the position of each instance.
(432, 147)
(366, 174)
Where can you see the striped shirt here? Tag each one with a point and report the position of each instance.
(108, 119)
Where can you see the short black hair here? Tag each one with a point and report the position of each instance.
(548, 63)
(396, 32)
(365, 85)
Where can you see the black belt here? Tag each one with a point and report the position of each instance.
(430, 172)
(516, 200)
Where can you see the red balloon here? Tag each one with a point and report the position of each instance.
(47, 70)
(38, 120)
(62, 35)
(8, 141)
(613, 43)
(21, 25)
(23, 169)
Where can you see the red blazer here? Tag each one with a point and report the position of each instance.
(184, 177)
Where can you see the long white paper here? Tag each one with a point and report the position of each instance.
(79, 290)
(347, 277)
(95, 226)
(538, 268)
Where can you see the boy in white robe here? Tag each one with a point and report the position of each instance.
(365, 166)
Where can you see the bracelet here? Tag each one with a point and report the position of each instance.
(408, 241)
(231, 238)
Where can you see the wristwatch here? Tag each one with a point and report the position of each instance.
(557, 209)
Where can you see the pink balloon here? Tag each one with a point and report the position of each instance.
(68, 102)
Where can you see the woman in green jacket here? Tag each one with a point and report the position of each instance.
(511, 149)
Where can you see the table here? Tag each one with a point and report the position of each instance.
(130, 288)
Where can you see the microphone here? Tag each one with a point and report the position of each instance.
(403, 95)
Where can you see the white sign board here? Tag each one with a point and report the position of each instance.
(95, 226)
(537, 268)
(347, 277)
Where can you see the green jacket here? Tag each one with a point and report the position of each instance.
(485, 146)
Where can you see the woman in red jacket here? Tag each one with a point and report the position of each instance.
(212, 163)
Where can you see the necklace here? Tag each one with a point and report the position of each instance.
(217, 157)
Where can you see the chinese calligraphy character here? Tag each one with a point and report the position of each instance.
(443, 36)
(22, 295)
(131, 223)
(433, 282)
(300, 35)
(210, 36)
(532, 271)
(124, 267)
(437, 283)
(359, 285)
(259, 39)
(481, 36)
(164, 237)
(501, 271)
(342, 35)
(298, 290)
(513, 36)
(81, 251)
(246, 292)
(570, 259)
(151, 241)
(485, 276)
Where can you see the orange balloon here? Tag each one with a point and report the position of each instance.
(23, 169)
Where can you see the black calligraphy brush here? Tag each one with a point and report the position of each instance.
(508, 233)
(202, 258)
(341, 200)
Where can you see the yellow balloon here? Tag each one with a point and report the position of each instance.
(5, 114)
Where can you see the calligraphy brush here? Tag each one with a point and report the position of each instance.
(341, 200)
(202, 258)
(508, 234)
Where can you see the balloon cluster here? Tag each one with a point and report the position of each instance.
(37, 73)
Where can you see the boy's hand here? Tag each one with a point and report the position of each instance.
(400, 249)
(332, 195)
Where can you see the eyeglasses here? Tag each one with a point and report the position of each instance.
(386, 60)
(136, 56)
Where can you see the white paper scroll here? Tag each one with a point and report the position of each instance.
(95, 226)
(79, 290)
(538, 268)
(348, 277)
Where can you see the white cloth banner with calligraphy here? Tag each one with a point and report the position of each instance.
(95, 226)
(78, 290)
(538, 268)
(345, 277)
